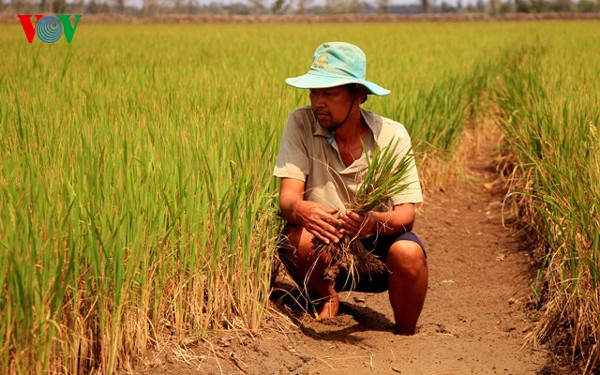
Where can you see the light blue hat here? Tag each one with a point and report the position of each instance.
(336, 64)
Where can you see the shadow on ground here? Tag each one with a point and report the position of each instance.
(352, 318)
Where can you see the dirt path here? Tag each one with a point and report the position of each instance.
(473, 321)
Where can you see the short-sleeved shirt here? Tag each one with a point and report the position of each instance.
(309, 153)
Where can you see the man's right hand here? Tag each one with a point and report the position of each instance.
(318, 220)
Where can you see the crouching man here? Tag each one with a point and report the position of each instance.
(320, 163)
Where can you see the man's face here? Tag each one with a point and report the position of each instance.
(331, 105)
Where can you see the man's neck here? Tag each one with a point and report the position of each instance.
(353, 130)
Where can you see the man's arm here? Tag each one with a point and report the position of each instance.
(400, 219)
(315, 218)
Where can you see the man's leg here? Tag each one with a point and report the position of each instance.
(407, 284)
(301, 261)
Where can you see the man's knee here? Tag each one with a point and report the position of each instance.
(406, 258)
(295, 241)
(294, 236)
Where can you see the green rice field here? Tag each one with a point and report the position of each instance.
(136, 195)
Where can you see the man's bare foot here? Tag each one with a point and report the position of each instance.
(330, 307)
(404, 331)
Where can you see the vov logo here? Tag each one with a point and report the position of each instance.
(49, 29)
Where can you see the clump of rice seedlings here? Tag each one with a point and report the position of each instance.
(385, 177)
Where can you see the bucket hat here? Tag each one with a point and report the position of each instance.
(336, 64)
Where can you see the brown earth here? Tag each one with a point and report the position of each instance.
(474, 320)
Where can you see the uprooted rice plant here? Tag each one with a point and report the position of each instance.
(137, 204)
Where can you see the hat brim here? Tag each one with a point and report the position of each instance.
(314, 81)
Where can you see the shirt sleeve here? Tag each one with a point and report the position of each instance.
(293, 159)
(413, 193)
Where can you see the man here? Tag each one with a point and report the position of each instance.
(320, 162)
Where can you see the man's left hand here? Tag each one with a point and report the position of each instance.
(353, 224)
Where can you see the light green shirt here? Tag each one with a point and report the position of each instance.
(309, 153)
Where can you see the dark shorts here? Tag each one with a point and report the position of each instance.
(379, 246)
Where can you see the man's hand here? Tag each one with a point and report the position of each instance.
(318, 220)
(354, 224)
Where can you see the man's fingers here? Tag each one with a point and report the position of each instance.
(350, 229)
(349, 222)
(353, 223)
(326, 237)
(330, 220)
(329, 229)
(331, 211)
(322, 238)
(327, 216)
(324, 232)
(354, 216)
